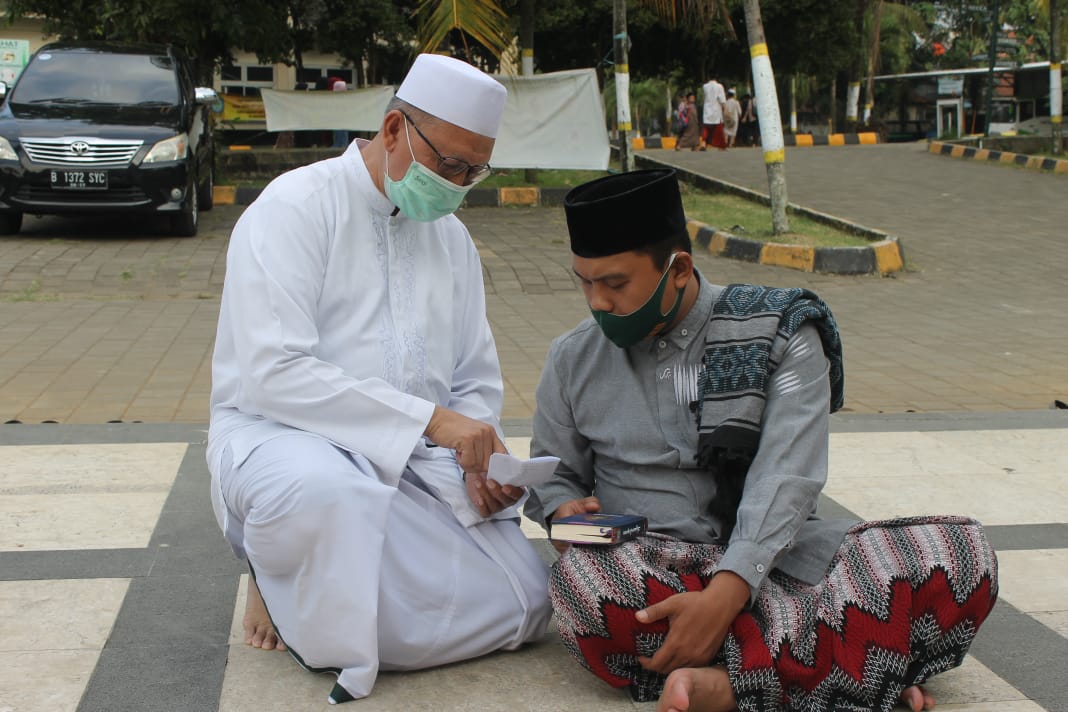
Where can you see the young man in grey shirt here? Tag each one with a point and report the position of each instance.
(705, 409)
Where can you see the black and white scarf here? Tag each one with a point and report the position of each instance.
(736, 368)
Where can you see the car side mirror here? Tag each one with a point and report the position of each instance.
(205, 95)
(3, 89)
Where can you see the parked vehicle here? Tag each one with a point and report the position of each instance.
(91, 128)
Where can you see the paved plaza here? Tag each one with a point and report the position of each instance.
(118, 593)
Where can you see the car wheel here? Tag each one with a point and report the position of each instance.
(184, 224)
(10, 223)
(207, 189)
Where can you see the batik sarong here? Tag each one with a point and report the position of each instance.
(901, 601)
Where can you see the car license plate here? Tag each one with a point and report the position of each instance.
(80, 180)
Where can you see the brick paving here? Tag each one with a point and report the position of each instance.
(113, 320)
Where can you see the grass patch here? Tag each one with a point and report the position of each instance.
(544, 178)
(745, 218)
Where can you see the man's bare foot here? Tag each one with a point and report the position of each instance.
(916, 698)
(697, 690)
(259, 632)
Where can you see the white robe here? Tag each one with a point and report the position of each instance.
(342, 327)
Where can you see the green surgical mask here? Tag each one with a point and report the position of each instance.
(422, 194)
(628, 329)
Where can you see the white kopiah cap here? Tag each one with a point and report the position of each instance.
(454, 91)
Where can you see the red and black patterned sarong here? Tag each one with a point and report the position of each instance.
(901, 601)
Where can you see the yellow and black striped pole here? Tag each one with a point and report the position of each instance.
(1055, 108)
(767, 103)
(622, 72)
(852, 105)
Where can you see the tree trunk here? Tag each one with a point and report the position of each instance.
(834, 105)
(793, 104)
(856, 66)
(1055, 91)
(767, 102)
(622, 72)
(994, 28)
(526, 36)
(526, 48)
(873, 61)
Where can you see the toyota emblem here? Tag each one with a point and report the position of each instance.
(79, 148)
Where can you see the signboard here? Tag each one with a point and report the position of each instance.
(238, 108)
(950, 85)
(14, 54)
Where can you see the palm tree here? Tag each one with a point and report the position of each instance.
(481, 20)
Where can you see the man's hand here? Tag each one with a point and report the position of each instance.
(490, 496)
(698, 622)
(567, 509)
(473, 442)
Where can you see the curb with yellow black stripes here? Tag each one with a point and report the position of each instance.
(884, 253)
(883, 256)
(476, 197)
(852, 139)
(956, 150)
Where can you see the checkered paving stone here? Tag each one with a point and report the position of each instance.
(118, 593)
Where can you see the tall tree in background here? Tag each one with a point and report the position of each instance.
(372, 35)
(526, 37)
(873, 60)
(621, 71)
(205, 30)
(856, 68)
(767, 102)
(286, 30)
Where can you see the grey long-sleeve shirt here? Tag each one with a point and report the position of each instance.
(620, 421)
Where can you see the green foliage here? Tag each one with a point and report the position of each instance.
(482, 20)
(204, 29)
(650, 105)
(373, 31)
(810, 37)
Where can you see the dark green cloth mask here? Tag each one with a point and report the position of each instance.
(625, 330)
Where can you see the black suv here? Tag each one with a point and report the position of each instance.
(106, 128)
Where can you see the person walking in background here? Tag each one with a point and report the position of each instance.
(712, 116)
(749, 133)
(678, 121)
(690, 137)
(731, 116)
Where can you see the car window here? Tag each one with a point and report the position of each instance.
(97, 78)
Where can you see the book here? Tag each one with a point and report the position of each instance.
(510, 470)
(597, 528)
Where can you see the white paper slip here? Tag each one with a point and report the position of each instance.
(510, 470)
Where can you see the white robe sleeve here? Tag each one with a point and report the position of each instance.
(275, 269)
(477, 388)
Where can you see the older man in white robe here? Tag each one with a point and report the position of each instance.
(356, 400)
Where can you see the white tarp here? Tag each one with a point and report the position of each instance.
(553, 120)
(357, 110)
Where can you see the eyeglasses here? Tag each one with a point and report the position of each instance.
(449, 166)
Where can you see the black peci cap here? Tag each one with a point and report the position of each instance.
(624, 212)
